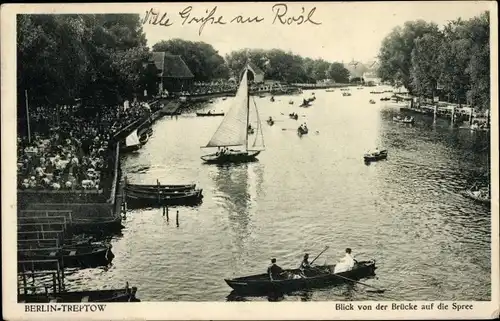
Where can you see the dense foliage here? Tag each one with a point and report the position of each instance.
(452, 62)
(96, 58)
(286, 66)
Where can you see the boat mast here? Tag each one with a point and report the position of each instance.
(248, 109)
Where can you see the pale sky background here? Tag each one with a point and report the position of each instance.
(347, 31)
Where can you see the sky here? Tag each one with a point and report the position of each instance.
(340, 32)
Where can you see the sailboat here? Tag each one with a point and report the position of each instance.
(132, 142)
(233, 131)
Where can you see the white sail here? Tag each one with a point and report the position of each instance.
(132, 139)
(233, 129)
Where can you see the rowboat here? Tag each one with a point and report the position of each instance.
(75, 257)
(156, 188)
(375, 156)
(405, 120)
(372, 101)
(302, 131)
(294, 116)
(152, 198)
(346, 94)
(111, 295)
(294, 280)
(209, 114)
(270, 122)
(477, 196)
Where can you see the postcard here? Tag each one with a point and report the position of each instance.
(253, 160)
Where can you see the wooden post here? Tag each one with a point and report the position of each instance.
(25, 281)
(452, 114)
(54, 283)
(471, 115)
(177, 219)
(27, 116)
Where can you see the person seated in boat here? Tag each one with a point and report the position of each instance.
(304, 102)
(270, 119)
(274, 271)
(305, 262)
(209, 112)
(304, 127)
(346, 263)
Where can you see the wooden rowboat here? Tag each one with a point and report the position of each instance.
(163, 188)
(209, 114)
(111, 295)
(76, 257)
(476, 197)
(375, 156)
(293, 280)
(150, 198)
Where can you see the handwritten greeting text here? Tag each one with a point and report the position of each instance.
(280, 15)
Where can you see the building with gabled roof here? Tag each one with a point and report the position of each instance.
(255, 73)
(173, 73)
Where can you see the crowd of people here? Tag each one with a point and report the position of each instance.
(69, 150)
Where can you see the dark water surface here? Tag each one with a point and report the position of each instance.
(430, 243)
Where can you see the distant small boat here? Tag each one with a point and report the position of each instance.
(375, 156)
(302, 130)
(330, 90)
(477, 196)
(293, 116)
(406, 120)
(372, 101)
(270, 122)
(209, 114)
(385, 98)
(272, 99)
(346, 94)
(290, 102)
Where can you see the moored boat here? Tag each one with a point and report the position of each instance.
(157, 198)
(110, 295)
(89, 256)
(163, 188)
(375, 156)
(372, 101)
(294, 280)
(294, 116)
(208, 114)
(346, 94)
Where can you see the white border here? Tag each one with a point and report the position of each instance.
(206, 310)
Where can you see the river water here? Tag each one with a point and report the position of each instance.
(407, 213)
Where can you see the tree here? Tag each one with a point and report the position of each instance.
(338, 73)
(396, 49)
(93, 57)
(426, 68)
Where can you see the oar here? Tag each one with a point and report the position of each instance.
(326, 248)
(377, 289)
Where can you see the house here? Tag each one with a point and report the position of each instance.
(255, 73)
(173, 73)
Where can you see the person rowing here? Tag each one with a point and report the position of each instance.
(305, 262)
(274, 271)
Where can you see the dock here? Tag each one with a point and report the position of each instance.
(171, 108)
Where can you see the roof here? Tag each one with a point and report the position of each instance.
(171, 66)
(254, 68)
